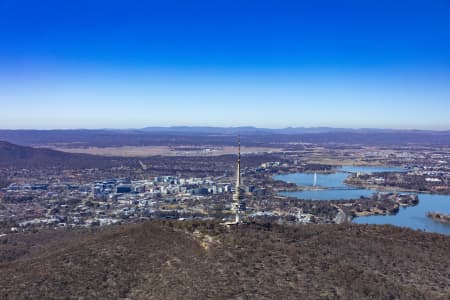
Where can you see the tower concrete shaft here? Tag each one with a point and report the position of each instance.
(239, 205)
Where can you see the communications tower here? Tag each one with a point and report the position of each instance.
(239, 205)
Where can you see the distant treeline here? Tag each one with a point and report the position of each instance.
(27, 157)
(18, 157)
(255, 137)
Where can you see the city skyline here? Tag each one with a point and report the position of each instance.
(340, 64)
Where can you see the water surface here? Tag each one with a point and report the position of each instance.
(413, 217)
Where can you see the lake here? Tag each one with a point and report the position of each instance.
(413, 217)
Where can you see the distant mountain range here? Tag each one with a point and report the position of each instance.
(184, 135)
(242, 130)
(255, 130)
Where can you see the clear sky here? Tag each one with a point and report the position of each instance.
(130, 64)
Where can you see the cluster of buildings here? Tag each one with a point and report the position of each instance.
(120, 189)
(63, 202)
(118, 200)
(108, 201)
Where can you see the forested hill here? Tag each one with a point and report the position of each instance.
(204, 260)
(16, 156)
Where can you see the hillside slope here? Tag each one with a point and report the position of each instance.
(183, 260)
(12, 155)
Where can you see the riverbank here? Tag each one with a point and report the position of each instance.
(382, 188)
(334, 187)
(440, 217)
(381, 204)
(384, 181)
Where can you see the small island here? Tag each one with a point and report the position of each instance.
(440, 217)
(380, 204)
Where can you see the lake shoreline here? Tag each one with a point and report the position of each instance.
(440, 217)
(365, 208)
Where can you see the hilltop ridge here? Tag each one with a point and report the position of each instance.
(199, 260)
(12, 155)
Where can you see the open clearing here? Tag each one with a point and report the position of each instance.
(145, 151)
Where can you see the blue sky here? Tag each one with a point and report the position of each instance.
(124, 64)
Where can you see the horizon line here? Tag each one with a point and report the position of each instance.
(226, 127)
